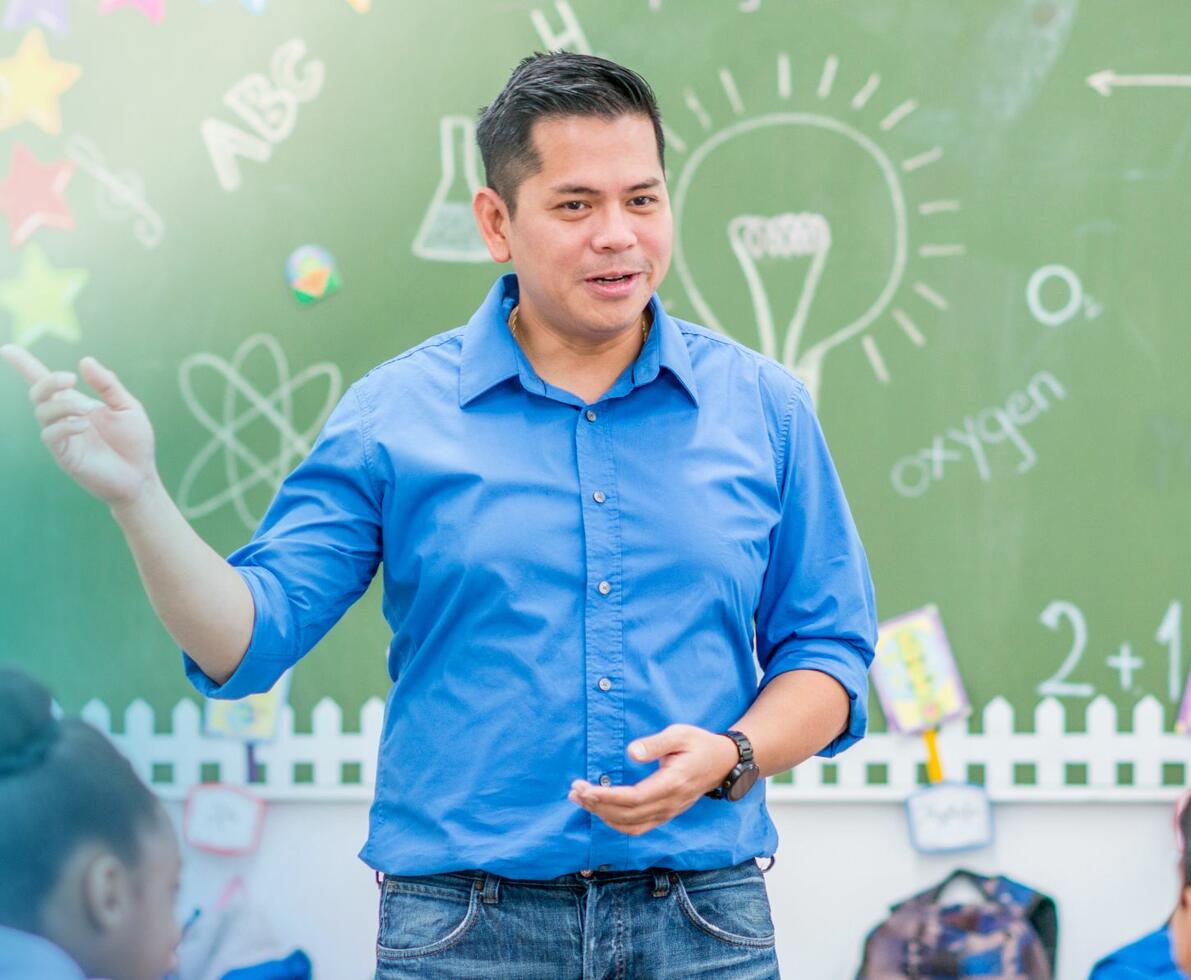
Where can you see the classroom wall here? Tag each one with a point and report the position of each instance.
(1110, 868)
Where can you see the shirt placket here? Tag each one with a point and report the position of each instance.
(603, 622)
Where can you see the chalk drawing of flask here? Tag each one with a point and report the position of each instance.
(448, 232)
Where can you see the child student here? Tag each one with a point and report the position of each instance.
(1165, 953)
(89, 862)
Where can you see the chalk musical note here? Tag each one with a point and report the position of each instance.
(117, 194)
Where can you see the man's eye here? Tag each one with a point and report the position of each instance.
(574, 205)
(643, 202)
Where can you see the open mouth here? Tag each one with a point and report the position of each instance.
(622, 278)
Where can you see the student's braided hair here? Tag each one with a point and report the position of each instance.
(62, 785)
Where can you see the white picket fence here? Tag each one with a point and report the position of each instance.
(1144, 764)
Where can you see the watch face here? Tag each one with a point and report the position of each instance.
(744, 782)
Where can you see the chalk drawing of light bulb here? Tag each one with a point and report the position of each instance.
(785, 236)
(448, 232)
(812, 211)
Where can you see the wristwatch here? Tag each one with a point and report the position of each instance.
(740, 780)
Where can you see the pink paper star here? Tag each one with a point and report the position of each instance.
(31, 195)
(153, 9)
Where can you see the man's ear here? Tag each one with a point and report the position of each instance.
(107, 892)
(492, 218)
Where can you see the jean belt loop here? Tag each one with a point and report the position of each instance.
(491, 889)
(380, 879)
(772, 861)
(661, 883)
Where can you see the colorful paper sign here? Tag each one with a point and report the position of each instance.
(311, 273)
(251, 719)
(916, 675)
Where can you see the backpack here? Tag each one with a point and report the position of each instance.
(1010, 934)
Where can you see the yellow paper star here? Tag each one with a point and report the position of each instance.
(41, 299)
(31, 83)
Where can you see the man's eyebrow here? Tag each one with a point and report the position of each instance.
(592, 192)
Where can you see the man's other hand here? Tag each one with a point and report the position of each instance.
(691, 762)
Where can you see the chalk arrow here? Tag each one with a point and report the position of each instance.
(1103, 81)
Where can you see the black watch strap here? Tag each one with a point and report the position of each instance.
(745, 768)
(742, 744)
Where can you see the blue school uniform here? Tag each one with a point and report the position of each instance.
(1149, 958)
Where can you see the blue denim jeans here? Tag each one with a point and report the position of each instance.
(609, 925)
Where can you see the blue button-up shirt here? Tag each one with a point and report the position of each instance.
(1149, 958)
(560, 579)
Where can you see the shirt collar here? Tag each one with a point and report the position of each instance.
(25, 955)
(490, 355)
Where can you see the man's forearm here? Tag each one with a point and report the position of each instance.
(201, 600)
(797, 714)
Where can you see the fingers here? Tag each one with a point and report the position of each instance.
(672, 738)
(49, 386)
(622, 796)
(64, 403)
(630, 804)
(32, 370)
(56, 436)
(106, 384)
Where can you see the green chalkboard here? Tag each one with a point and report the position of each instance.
(963, 224)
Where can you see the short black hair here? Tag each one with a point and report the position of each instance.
(62, 785)
(558, 83)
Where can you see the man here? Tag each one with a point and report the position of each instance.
(583, 506)
(1165, 953)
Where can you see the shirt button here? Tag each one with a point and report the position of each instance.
(585, 873)
(590, 415)
(604, 588)
(605, 684)
(599, 496)
(605, 780)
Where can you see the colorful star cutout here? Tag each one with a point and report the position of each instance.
(50, 14)
(41, 299)
(153, 9)
(31, 195)
(31, 84)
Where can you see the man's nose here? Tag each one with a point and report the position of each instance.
(615, 233)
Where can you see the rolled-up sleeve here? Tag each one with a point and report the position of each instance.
(314, 554)
(817, 610)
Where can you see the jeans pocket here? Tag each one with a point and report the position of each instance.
(731, 906)
(421, 916)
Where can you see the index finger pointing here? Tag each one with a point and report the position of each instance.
(32, 370)
(105, 383)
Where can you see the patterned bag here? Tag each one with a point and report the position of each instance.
(1011, 934)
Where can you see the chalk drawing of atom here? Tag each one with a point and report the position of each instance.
(262, 423)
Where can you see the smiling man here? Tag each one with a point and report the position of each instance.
(596, 522)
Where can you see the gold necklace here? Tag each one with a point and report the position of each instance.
(645, 321)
